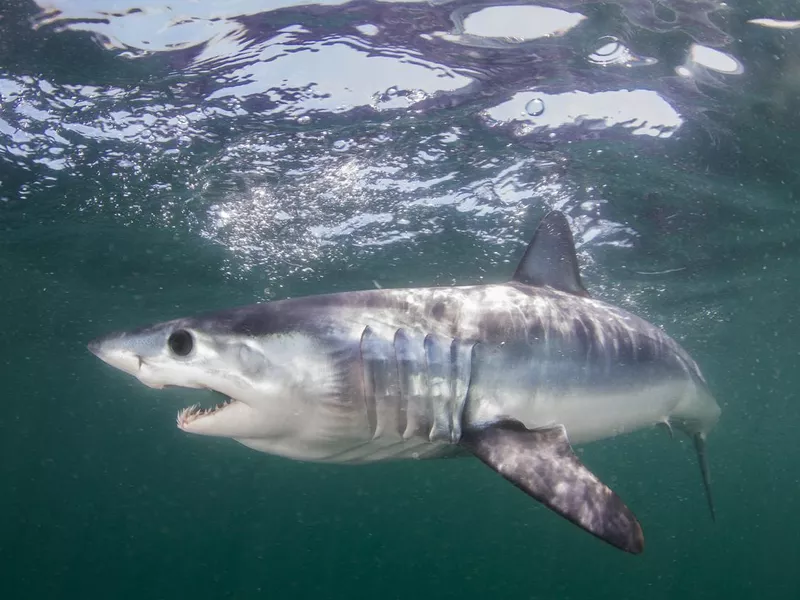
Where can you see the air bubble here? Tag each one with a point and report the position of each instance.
(608, 46)
(535, 107)
(304, 120)
(610, 51)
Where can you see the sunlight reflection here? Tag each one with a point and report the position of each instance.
(127, 24)
(710, 58)
(642, 112)
(509, 24)
(776, 23)
(336, 77)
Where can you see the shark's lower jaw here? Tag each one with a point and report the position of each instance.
(231, 418)
(190, 415)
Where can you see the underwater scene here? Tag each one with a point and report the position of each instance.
(399, 299)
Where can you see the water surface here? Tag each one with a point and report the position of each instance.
(160, 159)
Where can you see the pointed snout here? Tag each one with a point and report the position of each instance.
(117, 352)
(95, 347)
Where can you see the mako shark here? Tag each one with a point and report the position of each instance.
(512, 373)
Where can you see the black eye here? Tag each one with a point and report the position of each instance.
(180, 342)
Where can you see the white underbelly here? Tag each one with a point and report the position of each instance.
(589, 416)
(349, 449)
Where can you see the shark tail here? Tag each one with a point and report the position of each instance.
(702, 461)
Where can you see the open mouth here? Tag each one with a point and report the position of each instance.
(196, 412)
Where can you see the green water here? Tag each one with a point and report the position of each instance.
(102, 492)
(103, 497)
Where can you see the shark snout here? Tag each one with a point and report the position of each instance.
(95, 347)
(113, 351)
(141, 354)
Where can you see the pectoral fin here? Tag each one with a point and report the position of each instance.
(542, 464)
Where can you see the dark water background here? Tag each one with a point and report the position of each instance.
(160, 159)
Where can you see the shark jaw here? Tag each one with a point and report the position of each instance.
(228, 418)
(191, 414)
(270, 384)
(225, 419)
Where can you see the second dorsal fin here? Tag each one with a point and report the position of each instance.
(550, 258)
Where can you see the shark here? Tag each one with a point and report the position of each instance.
(514, 374)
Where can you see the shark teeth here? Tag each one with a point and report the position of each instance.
(193, 413)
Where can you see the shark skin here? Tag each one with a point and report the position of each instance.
(513, 374)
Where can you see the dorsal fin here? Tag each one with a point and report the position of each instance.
(550, 258)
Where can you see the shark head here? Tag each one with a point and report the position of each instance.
(271, 380)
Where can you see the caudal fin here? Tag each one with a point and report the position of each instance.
(702, 460)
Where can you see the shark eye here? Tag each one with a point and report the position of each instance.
(180, 342)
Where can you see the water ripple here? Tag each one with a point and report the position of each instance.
(293, 132)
